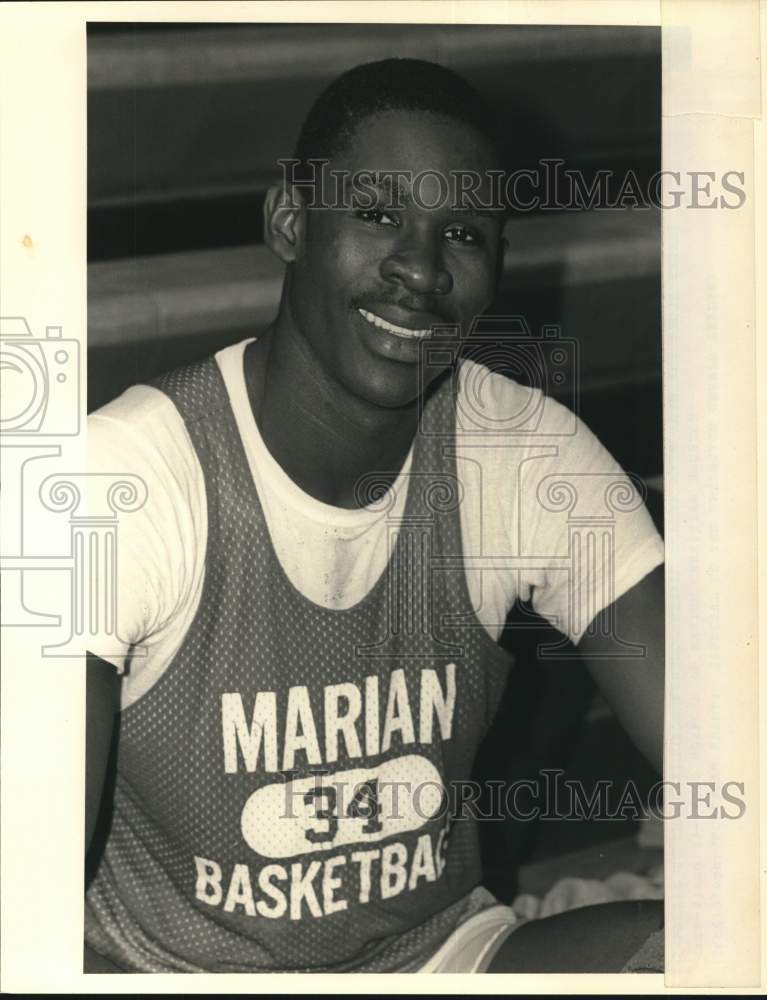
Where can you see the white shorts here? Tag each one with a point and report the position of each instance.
(473, 943)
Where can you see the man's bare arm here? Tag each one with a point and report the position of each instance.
(633, 686)
(102, 687)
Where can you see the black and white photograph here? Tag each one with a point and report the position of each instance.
(364, 563)
(374, 319)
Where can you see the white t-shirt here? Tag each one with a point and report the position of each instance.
(512, 445)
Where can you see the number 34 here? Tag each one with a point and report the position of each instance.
(365, 805)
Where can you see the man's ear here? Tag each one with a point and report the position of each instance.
(284, 221)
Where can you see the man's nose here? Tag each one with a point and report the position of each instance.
(418, 266)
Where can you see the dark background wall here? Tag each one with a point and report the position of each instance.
(185, 125)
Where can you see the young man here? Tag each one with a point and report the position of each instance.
(310, 599)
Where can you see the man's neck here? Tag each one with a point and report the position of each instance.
(321, 435)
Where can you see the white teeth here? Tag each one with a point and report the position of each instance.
(398, 331)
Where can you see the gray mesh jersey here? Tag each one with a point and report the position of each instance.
(283, 796)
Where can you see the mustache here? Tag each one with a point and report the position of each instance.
(413, 303)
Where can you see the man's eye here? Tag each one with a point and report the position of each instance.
(376, 216)
(459, 234)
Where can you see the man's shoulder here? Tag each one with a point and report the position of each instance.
(145, 403)
(141, 430)
(139, 406)
(197, 389)
(492, 402)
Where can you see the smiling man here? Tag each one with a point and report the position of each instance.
(310, 601)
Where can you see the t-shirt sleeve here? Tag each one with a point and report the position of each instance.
(585, 534)
(140, 438)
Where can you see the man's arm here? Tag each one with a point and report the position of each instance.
(633, 686)
(102, 687)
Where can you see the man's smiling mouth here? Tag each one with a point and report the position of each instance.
(398, 331)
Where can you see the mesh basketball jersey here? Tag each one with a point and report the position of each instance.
(284, 792)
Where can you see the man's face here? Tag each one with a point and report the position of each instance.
(368, 284)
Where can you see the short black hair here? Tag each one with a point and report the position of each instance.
(389, 85)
